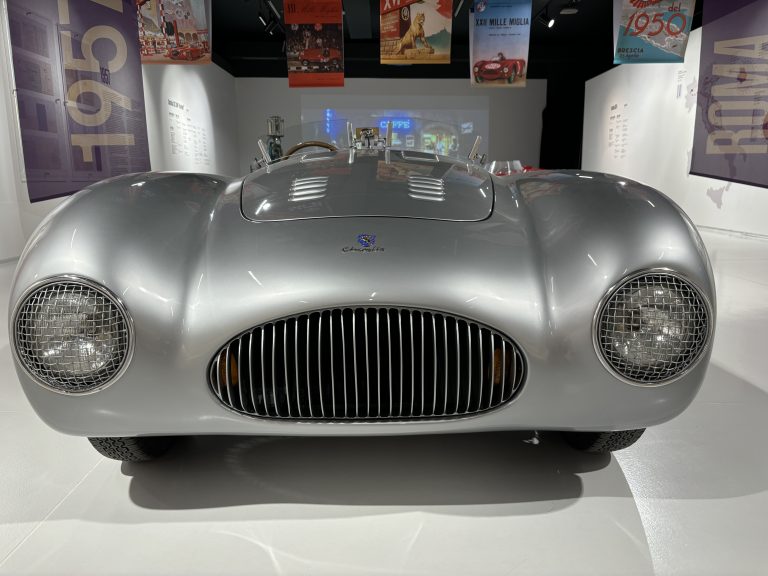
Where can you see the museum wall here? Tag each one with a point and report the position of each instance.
(651, 110)
(514, 116)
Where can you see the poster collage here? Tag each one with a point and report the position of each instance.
(89, 54)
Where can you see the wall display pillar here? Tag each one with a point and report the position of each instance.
(79, 92)
(731, 130)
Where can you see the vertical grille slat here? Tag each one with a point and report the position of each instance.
(333, 370)
(434, 365)
(402, 353)
(302, 367)
(320, 363)
(457, 355)
(344, 363)
(503, 368)
(367, 368)
(296, 363)
(391, 366)
(309, 379)
(274, 379)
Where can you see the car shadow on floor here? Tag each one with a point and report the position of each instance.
(434, 470)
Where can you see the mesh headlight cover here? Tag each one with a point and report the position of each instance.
(653, 328)
(72, 335)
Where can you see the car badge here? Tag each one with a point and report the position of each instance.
(366, 240)
(366, 244)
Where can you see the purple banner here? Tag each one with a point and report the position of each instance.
(730, 139)
(79, 90)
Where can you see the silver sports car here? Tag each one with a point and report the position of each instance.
(362, 290)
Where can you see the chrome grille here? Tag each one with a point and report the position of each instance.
(653, 328)
(367, 364)
(426, 188)
(71, 335)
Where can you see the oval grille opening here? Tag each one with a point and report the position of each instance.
(72, 335)
(367, 364)
(653, 328)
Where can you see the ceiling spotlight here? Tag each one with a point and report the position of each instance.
(544, 18)
(263, 22)
(571, 8)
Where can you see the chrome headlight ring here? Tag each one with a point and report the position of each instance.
(652, 327)
(72, 335)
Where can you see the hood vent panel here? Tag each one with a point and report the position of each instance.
(426, 188)
(303, 189)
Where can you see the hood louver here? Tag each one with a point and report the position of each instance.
(303, 189)
(426, 188)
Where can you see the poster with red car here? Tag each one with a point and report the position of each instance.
(500, 32)
(314, 43)
(174, 31)
(416, 31)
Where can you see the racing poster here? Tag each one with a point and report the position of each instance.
(79, 92)
(653, 31)
(730, 137)
(499, 32)
(314, 43)
(174, 31)
(416, 31)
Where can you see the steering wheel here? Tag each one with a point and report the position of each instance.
(309, 144)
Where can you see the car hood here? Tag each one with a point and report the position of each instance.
(355, 183)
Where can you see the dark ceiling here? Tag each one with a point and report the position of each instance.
(577, 46)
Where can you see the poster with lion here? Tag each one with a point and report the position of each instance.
(416, 31)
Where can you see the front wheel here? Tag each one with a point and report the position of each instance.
(132, 449)
(512, 76)
(602, 442)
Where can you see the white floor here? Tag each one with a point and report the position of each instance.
(690, 498)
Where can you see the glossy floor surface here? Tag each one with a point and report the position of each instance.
(690, 498)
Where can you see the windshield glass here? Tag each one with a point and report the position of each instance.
(411, 133)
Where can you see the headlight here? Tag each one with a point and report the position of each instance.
(505, 70)
(72, 335)
(652, 328)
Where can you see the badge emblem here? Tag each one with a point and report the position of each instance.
(366, 240)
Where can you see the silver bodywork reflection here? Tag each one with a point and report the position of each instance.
(199, 259)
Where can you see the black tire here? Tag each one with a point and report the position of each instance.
(132, 449)
(512, 77)
(305, 63)
(479, 79)
(602, 442)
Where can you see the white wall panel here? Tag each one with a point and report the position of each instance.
(207, 94)
(11, 237)
(661, 104)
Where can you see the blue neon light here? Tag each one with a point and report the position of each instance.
(397, 123)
